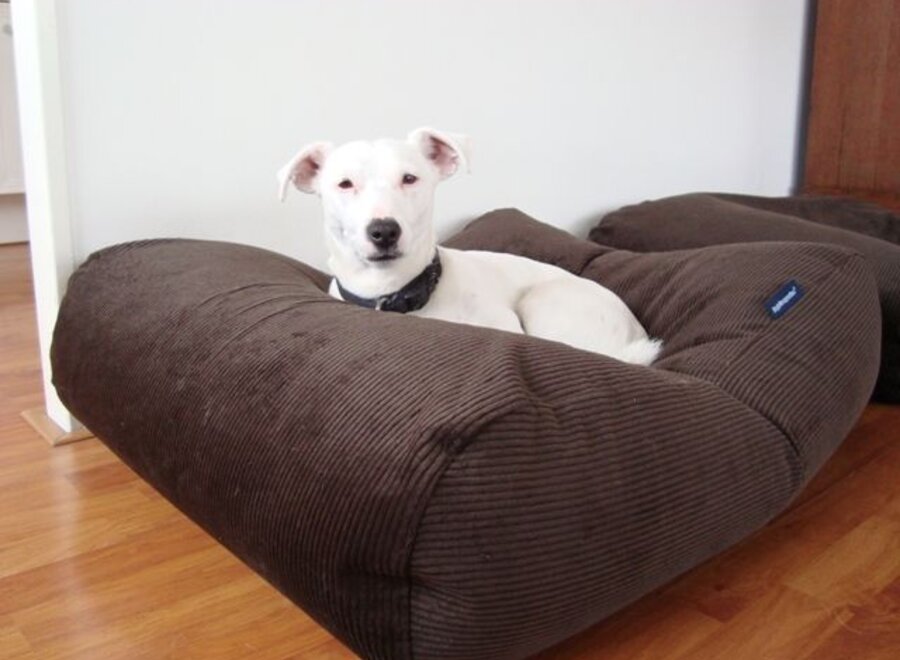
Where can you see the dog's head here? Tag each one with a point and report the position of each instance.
(378, 198)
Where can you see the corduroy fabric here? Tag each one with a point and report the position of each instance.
(431, 490)
(703, 219)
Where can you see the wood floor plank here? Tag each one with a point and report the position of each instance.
(102, 478)
(872, 632)
(105, 568)
(55, 634)
(781, 623)
(274, 631)
(854, 569)
(13, 645)
(75, 527)
(678, 629)
(95, 564)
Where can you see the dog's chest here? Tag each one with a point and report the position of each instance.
(472, 292)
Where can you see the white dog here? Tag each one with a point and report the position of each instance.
(378, 198)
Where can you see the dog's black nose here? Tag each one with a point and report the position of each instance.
(384, 233)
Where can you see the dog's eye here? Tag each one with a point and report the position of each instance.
(346, 184)
(409, 179)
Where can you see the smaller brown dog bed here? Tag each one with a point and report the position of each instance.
(704, 219)
(431, 490)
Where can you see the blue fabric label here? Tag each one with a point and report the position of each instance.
(783, 299)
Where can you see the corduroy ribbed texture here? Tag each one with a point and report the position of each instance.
(703, 219)
(431, 490)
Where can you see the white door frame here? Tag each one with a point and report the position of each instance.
(40, 94)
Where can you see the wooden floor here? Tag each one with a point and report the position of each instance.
(94, 564)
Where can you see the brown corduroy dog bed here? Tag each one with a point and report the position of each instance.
(431, 490)
(703, 219)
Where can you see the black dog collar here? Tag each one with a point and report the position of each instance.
(411, 297)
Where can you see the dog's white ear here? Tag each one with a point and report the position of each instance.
(303, 169)
(448, 151)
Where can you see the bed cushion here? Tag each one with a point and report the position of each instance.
(425, 489)
(704, 219)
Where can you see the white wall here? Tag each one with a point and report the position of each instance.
(11, 175)
(178, 113)
(13, 219)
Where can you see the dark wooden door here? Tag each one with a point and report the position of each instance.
(853, 135)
